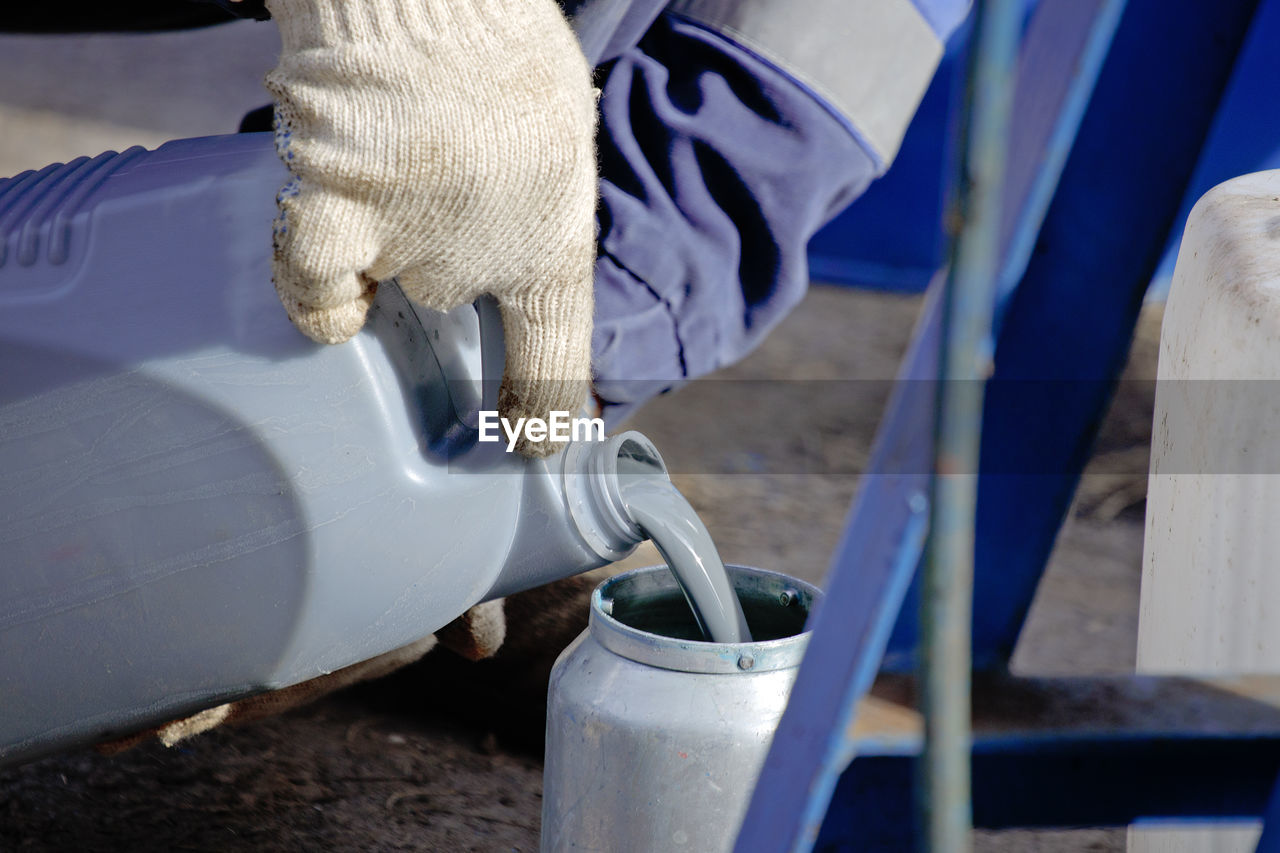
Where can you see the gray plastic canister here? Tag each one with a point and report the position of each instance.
(654, 738)
(196, 502)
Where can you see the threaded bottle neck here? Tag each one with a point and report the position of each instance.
(593, 474)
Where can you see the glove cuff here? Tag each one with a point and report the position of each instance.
(309, 24)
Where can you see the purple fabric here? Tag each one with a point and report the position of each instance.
(716, 169)
(608, 28)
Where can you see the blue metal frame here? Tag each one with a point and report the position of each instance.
(1246, 132)
(1270, 840)
(1089, 780)
(886, 531)
(1064, 333)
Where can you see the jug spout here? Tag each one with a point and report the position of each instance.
(572, 517)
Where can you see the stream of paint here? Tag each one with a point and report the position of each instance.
(680, 536)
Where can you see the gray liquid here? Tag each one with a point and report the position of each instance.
(682, 539)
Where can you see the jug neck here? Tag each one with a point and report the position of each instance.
(593, 474)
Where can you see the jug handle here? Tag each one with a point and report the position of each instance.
(493, 352)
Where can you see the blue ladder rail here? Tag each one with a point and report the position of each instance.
(1062, 337)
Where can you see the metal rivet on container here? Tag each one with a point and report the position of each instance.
(786, 597)
(746, 662)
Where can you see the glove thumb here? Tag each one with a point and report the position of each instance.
(548, 366)
(321, 251)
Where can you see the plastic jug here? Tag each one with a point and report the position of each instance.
(197, 502)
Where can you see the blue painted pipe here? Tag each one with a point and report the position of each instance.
(964, 364)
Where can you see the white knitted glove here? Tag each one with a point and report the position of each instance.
(448, 144)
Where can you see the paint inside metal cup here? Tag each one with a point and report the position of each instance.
(642, 615)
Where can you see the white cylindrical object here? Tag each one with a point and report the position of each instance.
(1210, 593)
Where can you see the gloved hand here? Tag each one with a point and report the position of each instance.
(448, 144)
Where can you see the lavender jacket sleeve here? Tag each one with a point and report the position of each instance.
(726, 142)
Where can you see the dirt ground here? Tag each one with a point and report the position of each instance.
(446, 754)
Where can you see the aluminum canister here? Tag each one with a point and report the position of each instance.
(654, 737)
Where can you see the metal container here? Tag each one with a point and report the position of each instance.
(655, 738)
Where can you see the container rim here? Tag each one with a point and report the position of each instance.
(698, 655)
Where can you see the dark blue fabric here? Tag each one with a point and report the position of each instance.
(716, 169)
(608, 28)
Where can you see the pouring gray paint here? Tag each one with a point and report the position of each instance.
(625, 496)
(666, 517)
